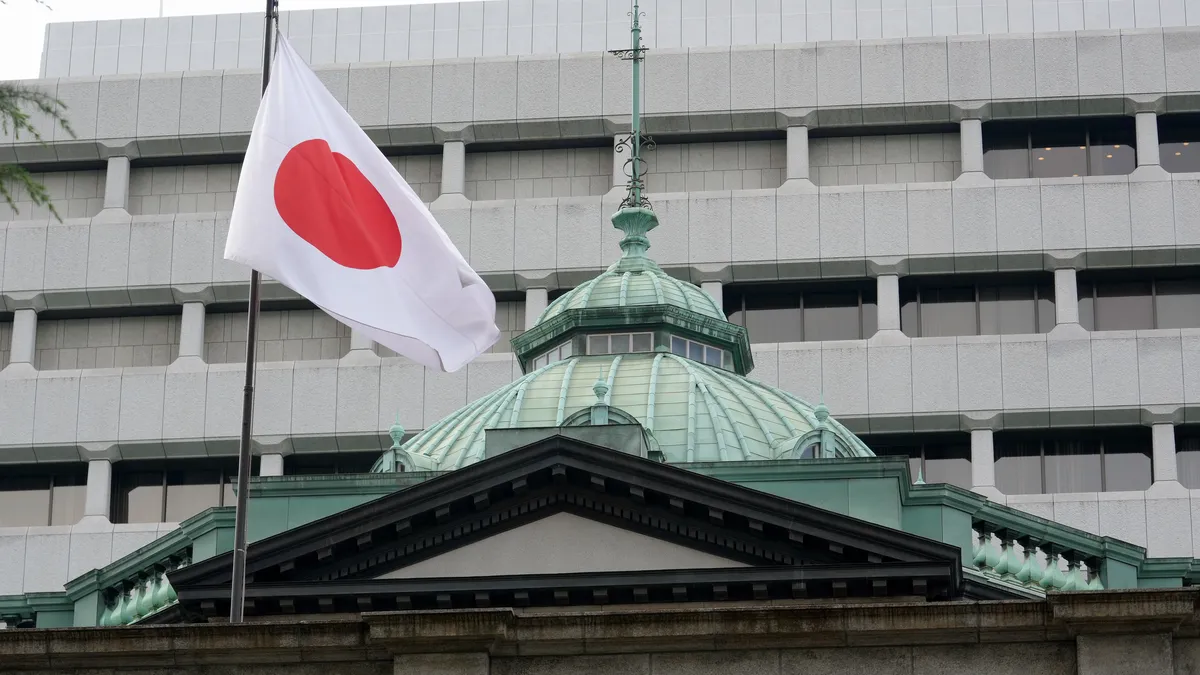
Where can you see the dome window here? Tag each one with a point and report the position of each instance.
(701, 353)
(555, 355)
(620, 343)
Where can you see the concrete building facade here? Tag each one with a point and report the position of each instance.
(972, 230)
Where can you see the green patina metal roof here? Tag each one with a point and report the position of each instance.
(685, 384)
(694, 412)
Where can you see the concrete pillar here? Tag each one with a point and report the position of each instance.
(98, 497)
(887, 299)
(1066, 297)
(24, 337)
(270, 465)
(454, 167)
(536, 300)
(797, 153)
(983, 459)
(970, 141)
(191, 331)
(1108, 652)
(1146, 125)
(116, 184)
(713, 288)
(1165, 467)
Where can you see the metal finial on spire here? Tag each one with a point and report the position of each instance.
(635, 166)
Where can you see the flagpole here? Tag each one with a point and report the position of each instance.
(237, 593)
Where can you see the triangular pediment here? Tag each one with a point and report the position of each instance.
(564, 521)
(562, 543)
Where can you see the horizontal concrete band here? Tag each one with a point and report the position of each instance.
(193, 409)
(795, 232)
(702, 89)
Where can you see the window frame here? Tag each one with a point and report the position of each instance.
(915, 285)
(54, 475)
(119, 504)
(921, 443)
(1092, 125)
(1100, 436)
(1091, 281)
(798, 291)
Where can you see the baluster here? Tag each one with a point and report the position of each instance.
(979, 559)
(1074, 580)
(1093, 568)
(1053, 577)
(1031, 572)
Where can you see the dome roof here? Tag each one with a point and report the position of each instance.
(633, 283)
(693, 412)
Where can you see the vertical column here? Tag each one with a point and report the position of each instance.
(359, 340)
(536, 300)
(887, 298)
(191, 331)
(1165, 467)
(713, 288)
(618, 175)
(970, 141)
(116, 184)
(24, 337)
(454, 167)
(1066, 297)
(98, 496)
(797, 153)
(983, 459)
(270, 465)
(1146, 126)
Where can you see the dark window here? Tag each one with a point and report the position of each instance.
(945, 307)
(1178, 147)
(172, 491)
(1057, 148)
(1091, 460)
(1140, 301)
(803, 312)
(1187, 455)
(36, 496)
(329, 464)
(938, 458)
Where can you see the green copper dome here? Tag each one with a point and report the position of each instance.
(629, 284)
(694, 413)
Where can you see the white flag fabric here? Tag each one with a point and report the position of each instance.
(322, 211)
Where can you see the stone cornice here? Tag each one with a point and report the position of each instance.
(378, 636)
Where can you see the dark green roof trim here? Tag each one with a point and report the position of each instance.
(679, 321)
(336, 485)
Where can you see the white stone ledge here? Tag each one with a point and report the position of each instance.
(795, 232)
(839, 83)
(306, 406)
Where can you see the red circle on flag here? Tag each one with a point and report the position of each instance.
(329, 203)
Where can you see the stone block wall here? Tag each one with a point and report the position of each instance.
(569, 172)
(76, 194)
(207, 188)
(67, 344)
(893, 158)
(182, 189)
(422, 172)
(293, 335)
(735, 165)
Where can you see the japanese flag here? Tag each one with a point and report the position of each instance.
(320, 209)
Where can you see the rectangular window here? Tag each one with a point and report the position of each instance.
(1123, 301)
(1085, 460)
(157, 492)
(938, 458)
(36, 496)
(1059, 148)
(950, 307)
(790, 312)
(1187, 455)
(1178, 149)
(329, 463)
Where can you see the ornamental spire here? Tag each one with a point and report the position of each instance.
(635, 217)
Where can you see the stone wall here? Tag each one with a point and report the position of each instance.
(1146, 631)
(75, 194)
(66, 344)
(569, 172)
(894, 158)
(294, 335)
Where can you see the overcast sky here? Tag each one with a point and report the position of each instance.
(23, 22)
